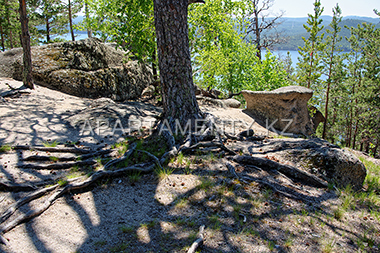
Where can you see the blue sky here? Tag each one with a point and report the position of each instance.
(300, 8)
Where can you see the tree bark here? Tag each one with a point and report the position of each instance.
(2, 37)
(71, 22)
(174, 61)
(25, 40)
(47, 30)
(89, 32)
(154, 65)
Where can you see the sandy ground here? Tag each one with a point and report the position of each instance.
(77, 222)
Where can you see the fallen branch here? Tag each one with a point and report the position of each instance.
(286, 169)
(199, 241)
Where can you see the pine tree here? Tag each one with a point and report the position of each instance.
(9, 24)
(309, 66)
(72, 8)
(51, 15)
(332, 60)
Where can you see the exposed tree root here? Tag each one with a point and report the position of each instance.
(74, 150)
(16, 187)
(286, 169)
(102, 153)
(27, 199)
(144, 168)
(156, 160)
(173, 151)
(199, 241)
(210, 139)
(272, 186)
(15, 92)
(57, 166)
(125, 157)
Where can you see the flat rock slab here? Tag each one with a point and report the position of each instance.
(284, 109)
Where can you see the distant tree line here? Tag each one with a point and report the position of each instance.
(47, 20)
(346, 85)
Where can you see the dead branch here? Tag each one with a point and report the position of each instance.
(286, 169)
(199, 241)
(3, 240)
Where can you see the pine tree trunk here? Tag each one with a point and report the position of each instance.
(89, 32)
(47, 30)
(25, 40)
(71, 22)
(174, 61)
(154, 65)
(2, 37)
(258, 46)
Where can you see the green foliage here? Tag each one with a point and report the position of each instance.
(224, 60)
(52, 16)
(9, 24)
(309, 66)
(129, 23)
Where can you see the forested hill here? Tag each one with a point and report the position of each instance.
(293, 29)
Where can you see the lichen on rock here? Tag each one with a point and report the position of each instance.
(85, 68)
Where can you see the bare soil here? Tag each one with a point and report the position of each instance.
(147, 213)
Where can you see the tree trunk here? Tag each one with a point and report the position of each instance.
(174, 61)
(257, 30)
(154, 65)
(326, 108)
(89, 32)
(71, 22)
(2, 37)
(25, 40)
(47, 30)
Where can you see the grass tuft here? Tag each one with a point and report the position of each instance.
(5, 148)
(50, 144)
